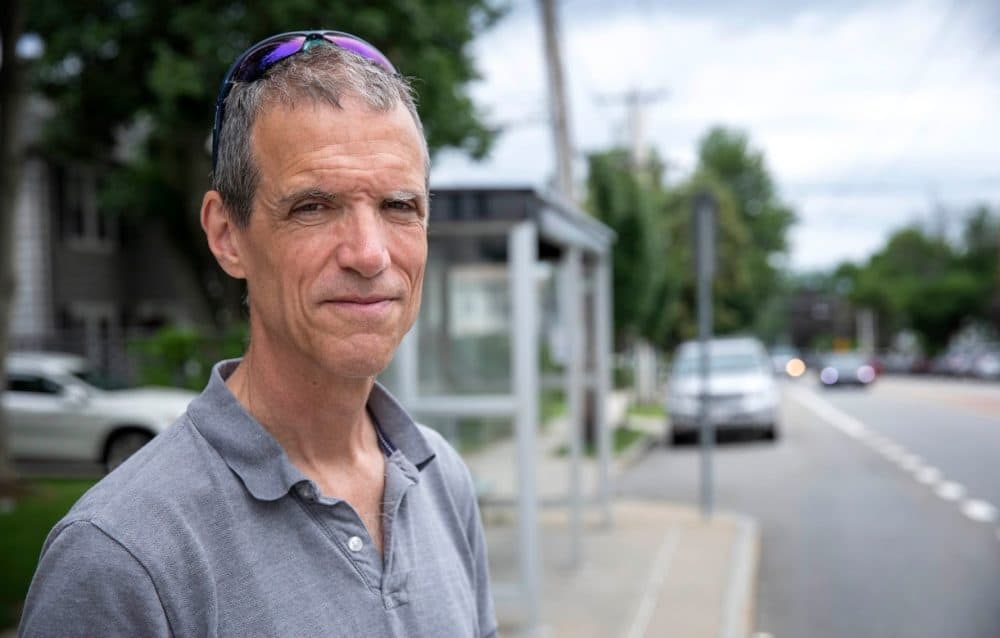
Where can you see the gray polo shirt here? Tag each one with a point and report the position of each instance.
(210, 531)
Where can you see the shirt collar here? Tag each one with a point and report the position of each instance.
(259, 460)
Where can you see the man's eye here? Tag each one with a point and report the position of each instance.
(400, 204)
(308, 209)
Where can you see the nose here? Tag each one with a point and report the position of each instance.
(363, 244)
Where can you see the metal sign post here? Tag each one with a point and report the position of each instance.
(704, 225)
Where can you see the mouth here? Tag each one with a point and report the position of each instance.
(366, 306)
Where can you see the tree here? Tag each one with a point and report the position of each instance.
(981, 258)
(654, 279)
(922, 282)
(726, 155)
(10, 97)
(148, 71)
(627, 200)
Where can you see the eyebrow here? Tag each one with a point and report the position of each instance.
(407, 196)
(316, 193)
(307, 193)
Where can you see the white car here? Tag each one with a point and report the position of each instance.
(742, 391)
(57, 410)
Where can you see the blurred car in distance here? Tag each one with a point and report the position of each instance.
(986, 364)
(846, 368)
(58, 409)
(786, 360)
(742, 392)
(904, 363)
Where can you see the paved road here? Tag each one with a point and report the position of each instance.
(854, 544)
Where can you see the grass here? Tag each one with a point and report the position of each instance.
(622, 438)
(553, 405)
(647, 410)
(23, 531)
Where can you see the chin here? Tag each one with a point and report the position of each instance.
(364, 361)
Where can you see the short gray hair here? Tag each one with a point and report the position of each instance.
(321, 74)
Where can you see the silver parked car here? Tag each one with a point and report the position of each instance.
(742, 391)
(56, 409)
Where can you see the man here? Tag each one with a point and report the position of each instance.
(295, 497)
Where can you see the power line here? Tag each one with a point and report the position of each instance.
(923, 127)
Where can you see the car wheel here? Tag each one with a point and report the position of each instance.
(772, 433)
(123, 445)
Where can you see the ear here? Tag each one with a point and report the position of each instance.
(222, 235)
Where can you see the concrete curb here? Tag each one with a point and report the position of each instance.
(633, 453)
(741, 591)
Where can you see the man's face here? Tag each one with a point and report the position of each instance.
(335, 250)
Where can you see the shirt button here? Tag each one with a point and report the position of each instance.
(354, 544)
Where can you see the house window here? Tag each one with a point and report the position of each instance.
(81, 223)
(93, 329)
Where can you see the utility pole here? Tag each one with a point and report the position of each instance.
(558, 106)
(635, 100)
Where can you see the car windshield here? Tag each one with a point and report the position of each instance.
(99, 381)
(727, 363)
(845, 360)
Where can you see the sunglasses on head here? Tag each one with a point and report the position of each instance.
(251, 65)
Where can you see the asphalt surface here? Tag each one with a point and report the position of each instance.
(864, 509)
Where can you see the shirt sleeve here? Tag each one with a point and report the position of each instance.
(88, 584)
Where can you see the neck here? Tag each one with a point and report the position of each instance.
(318, 418)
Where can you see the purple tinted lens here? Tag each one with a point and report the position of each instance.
(262, 58)
(259, 60)
(361, 48)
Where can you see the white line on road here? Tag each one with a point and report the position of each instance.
(974, 509)
(929, 476)
(893, 452)
(656, 577)
(980, 511)
(911, 463)
(950, 491)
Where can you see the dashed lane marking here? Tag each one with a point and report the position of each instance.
(911, 463)
(980, 511)
(950, 491)
(974, 509)
(929, 476)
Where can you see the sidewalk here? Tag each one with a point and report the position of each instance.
(659, 570)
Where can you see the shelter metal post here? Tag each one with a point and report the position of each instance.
(572, 319)
(406, 358)
(523, 255)
(602, 300)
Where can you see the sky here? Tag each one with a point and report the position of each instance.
(871, 114)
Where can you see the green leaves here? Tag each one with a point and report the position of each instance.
(931, 284)
(654, 279)
(110, 65)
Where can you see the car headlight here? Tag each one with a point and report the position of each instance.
(682, 404)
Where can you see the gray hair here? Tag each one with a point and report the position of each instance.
(321, 74)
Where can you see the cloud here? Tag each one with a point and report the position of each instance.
(896, 98)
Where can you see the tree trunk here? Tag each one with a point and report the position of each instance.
(11, 23)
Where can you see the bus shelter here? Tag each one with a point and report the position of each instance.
(516, 303)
